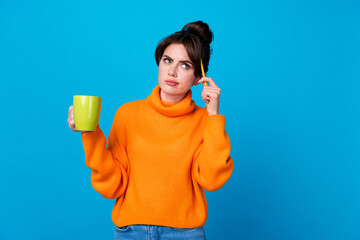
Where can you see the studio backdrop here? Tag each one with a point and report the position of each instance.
(289, 73)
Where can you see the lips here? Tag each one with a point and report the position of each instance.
(171, 83)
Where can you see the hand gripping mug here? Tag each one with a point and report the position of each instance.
(86, 112)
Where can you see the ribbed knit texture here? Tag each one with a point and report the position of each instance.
(159, 159)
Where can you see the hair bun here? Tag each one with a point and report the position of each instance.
(200, 29)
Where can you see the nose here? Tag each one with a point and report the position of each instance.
(172, 71)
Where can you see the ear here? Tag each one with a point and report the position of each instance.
(196, 80)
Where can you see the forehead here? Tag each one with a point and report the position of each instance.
(177, 51)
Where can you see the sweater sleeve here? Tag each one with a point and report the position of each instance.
(212, 164)
(109, 165)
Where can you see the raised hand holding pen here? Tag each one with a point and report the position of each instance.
(211, 95)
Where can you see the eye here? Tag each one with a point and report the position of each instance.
(186, 66)
(167, 60)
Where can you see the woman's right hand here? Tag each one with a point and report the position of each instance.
(71, 120)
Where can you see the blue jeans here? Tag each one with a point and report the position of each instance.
(151, 232)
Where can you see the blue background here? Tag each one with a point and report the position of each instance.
(289, 73)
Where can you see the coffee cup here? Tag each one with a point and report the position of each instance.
(86, 112)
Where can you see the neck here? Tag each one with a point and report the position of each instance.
(168, 108)
(171, 98)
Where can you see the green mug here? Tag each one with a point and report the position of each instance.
(86, 112)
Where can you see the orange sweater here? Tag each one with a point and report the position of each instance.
(159, 158)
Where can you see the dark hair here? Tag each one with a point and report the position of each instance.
(196, 38)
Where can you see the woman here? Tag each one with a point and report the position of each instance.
(164, 151)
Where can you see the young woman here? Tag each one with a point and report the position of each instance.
(164, 151)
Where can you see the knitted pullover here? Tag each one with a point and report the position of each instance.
(159, 159)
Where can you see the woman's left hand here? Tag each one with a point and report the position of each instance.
(211, 95)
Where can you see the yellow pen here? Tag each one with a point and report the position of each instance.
(203, 72)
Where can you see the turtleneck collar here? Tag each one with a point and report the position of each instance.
(183, 107)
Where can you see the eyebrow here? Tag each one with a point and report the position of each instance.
(182, 61)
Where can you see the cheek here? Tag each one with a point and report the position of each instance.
(162, 70)
(190, 78)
